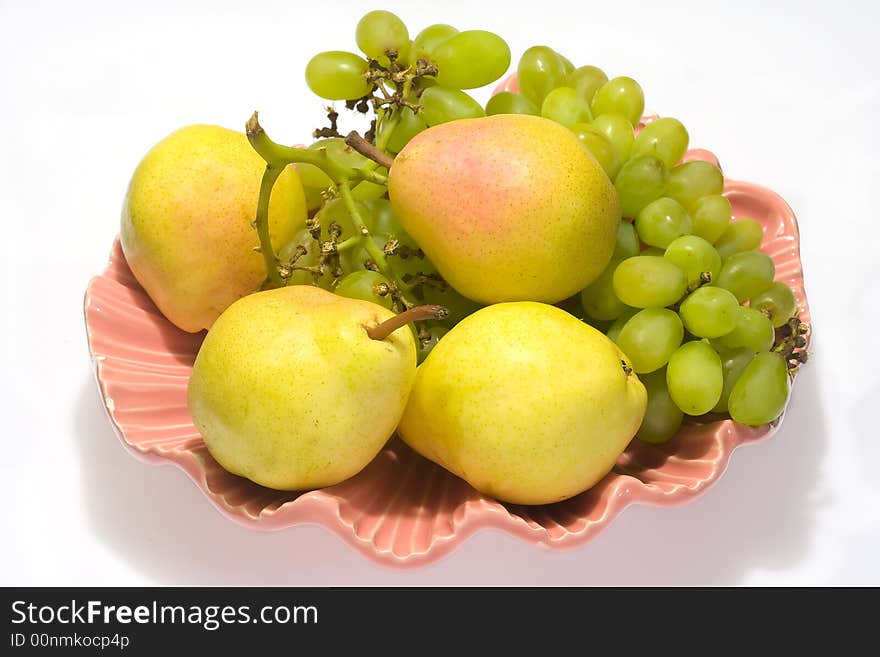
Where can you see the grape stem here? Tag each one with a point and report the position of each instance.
(368, 150)
(415, 314)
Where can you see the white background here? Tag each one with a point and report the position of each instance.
(784, 93)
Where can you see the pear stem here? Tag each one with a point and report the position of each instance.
(414, 314)
(368, 150)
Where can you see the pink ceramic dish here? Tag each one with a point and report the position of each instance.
(402, 510)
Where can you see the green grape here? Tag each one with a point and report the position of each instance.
(565, 106)
(653, 251)
(761, 392)
(640, 181)
(586, 80)
(648, 282)
(424, 348)
(341, 153)
(746, 274)
(409, 262)
(382, 220)
(338, 75)
(710, 312)
(753, 331)
(617, 325)
(621, 95)
(315, 183)
(458, 306)
(711, 215)
(441, 104)
(619, 132)
(540, 70)
(650, 337)
(430, 38)
(367, 286)
(598, 145)
(380, 31)
(598, 298)
(366, 190)
(662, 417)
(733, 362)
(310, 259)
(507, 102)
(695, 257)
(691, 181)
(662, 221)
(627, 244)
(740, 235)
(777, 301)
(408, 126)
(666, 139)
(566, 62)
(471, 59)
(695, 377)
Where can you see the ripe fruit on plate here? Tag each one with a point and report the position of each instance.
(186, 222)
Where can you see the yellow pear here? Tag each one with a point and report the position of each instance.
(186, 222)
(510, 207)
(290, 391)
(525, 402)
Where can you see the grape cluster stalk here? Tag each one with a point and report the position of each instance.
(687, 295)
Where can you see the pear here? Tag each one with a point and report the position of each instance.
(290, 390)
(186, 222)
(525, 402)
(508, 207)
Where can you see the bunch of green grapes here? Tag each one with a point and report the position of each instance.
(452, 61)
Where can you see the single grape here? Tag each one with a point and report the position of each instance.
(540, 69)
(471, 59)
(650, 337)
(746, 274)
(662, 417)
(753, 331)
(507, 102)
(598, 299)
(761, 392)
(648, 282)
(777, 301)
(382, 219)
(711, 215)
(566, 62)
(709, 312)
(598, 145)
(627, 244)
(666, 139)
(691, 181)
(617, 325)
(695, 377)
(341, 153)
(586, 80)
(740, 235)
(380, 31)
(458, 305)
(441, 104)
(619, 132)
(733, 363)
(408, 126)
(662, 221)
(565, 106)
(640, 181)
(338, 75)
(653, 251)
(430, 38)
(315, 183)
(367, 286)
(621, 95)
(695, 257)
